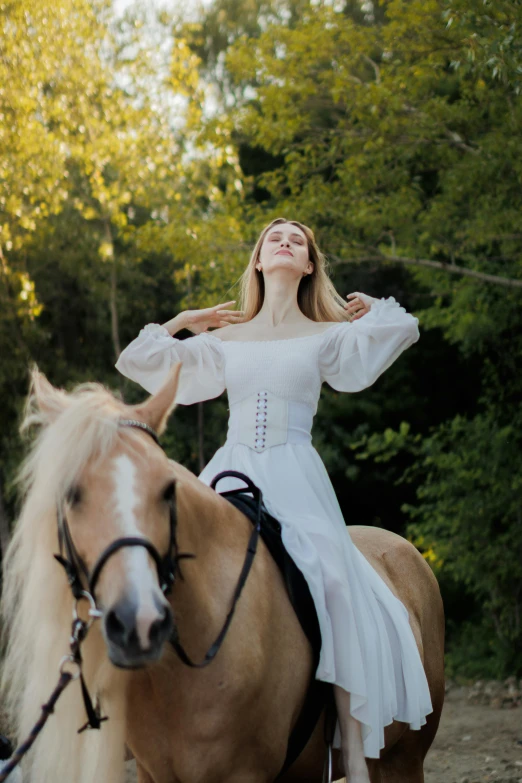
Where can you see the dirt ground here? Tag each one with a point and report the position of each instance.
(474, 744)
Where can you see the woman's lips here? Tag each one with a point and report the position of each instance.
(284, 253)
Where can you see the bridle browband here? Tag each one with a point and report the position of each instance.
(75, 567)
(167, 565)
(71, 665)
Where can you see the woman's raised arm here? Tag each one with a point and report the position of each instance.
(353, 355)
(149, 357)
(198, 321)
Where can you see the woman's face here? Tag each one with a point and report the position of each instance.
(285, 247)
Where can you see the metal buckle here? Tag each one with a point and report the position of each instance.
(94, 612)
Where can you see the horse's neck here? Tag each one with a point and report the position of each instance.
(217, 534)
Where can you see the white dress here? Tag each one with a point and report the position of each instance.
(368, 647)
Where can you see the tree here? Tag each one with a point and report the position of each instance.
(396, 138)
(88, 158)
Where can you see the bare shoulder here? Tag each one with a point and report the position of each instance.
(327, 324)
(253, 331)
(230, 332)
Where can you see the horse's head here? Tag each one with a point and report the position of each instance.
(112, 482)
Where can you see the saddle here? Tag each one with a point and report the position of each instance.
(319, 694)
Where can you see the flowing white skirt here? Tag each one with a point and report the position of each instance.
(368, 647)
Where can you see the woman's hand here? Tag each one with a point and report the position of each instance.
(198, 321)
(359, 306)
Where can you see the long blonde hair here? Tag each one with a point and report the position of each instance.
(316, 296)
(36, 605)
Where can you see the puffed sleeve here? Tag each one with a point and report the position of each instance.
(354, 354)
(148, 358)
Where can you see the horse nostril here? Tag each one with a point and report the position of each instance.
(6, 749)
(161, 628)
(138, 630)
(116, 629)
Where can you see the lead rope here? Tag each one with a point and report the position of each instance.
(80, 628)
(70, 669)
(47, 709)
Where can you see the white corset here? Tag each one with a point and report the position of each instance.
(263, 419)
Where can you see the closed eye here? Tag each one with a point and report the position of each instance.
(294, 238)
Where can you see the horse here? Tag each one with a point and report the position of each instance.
(229, 721)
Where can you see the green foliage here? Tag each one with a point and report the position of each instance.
(475, 652)
(467, 516)
(396, 137)
(90, 171)
(380, 118)
(132, 188)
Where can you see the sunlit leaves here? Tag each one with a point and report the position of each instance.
(382, 137)
(70, 107)
(400, 135)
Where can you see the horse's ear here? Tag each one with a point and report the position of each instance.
(156, 410)
(48, 400)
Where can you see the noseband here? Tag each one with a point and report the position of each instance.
(167, 566)
(74, 566)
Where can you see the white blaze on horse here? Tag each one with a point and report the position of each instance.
(229, 722)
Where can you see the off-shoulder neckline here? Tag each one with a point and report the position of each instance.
(278, 340)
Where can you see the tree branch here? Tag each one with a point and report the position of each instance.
(510, 282)
(375, 68)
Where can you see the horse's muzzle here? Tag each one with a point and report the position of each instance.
(135, 636)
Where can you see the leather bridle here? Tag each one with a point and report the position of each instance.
(74, 566)
(166, 565)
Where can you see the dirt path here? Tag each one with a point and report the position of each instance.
(474, 744)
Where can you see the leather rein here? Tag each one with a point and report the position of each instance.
(167, 565)
(70, 667)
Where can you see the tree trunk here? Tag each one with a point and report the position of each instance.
(115, 326)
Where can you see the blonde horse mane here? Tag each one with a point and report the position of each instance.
(37, 602)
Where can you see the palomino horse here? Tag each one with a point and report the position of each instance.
(228, 722)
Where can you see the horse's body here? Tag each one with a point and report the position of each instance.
(410, 578)
(228, 722)
(246, 706)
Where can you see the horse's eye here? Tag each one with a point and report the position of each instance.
(168, 492)
(74, 495)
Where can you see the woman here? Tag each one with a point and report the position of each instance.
(292, 333)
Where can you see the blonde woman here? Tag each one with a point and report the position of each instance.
(293, 332)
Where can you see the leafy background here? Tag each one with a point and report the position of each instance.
(141, 154)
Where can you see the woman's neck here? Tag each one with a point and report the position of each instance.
(280, 304)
